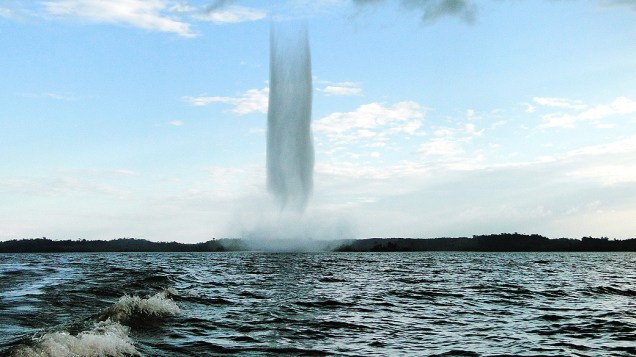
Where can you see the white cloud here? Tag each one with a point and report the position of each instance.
(498, 124)
(624, 105)
(441, 147)
(471, 129)
(530, 108)
(355, 171)
(621, 146)
(176, 122)
(182, 8)
(252, 101)
(6, 12)
(444, 132)
(373, 120)
(343, 88)
(608, 164)
(607, 174)
(559, 103)
(91, 182)
(465, 131)
(620, 106)
(232, 14)
(50, 95)
(145, 14)
(558, 121)
(605, 126)
(479, 194)
(404, 199)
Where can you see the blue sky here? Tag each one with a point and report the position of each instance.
(130, 118)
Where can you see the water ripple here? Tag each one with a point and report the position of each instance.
(348, 304)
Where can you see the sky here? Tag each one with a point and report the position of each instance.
(431, 118)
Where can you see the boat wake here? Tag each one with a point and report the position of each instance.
(109, 336)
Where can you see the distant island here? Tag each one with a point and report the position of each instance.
(44, 245)
(503, 242)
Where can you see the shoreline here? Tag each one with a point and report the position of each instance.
(503, 242)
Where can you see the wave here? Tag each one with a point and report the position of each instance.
(193, 296)
(106, 338)
(552, 317)
(410, 280)
(253, 295)
(610, 290)
(424, 294)
(327, 303)
(133, 308)
(329, 279)
(454, 353)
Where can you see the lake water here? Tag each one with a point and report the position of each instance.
(347, 304)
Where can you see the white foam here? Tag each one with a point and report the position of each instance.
(129, 307)
(171, 292)
(106, 338)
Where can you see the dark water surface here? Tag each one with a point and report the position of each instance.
(349, 304)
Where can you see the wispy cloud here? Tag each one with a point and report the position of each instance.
(176, 122)
(220, 12)
(463, 129)
(559, 102)
(50, 95)
(619, 107)
(6, 12)
(252, 101)
(373, 121)
(609, 163)
(607, 174)
(342, 88)
(620, 146)
(231, 14)
(93, 182)
(145, 14)
(441, 147)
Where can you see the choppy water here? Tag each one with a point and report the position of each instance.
(350, 304)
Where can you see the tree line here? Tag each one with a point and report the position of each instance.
(503, 242)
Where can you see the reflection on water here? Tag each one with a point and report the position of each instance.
(173, 304)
